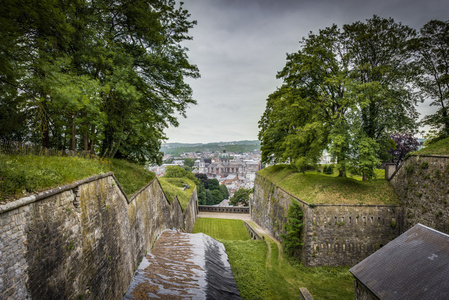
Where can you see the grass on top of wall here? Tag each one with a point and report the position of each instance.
(262, 272)
(21, 175)
(176, 187)
(438, 148)
(315, 188)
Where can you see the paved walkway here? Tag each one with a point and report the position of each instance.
(205, 214)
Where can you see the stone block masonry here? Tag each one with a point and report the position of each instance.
(84, 240)
(333, 234)
(422, 184)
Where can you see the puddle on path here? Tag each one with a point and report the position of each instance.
(184, 266)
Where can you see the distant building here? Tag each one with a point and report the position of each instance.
(224, 167)
(415, 265)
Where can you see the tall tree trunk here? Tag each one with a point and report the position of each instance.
(73, 138)
(44, 126)
(86, 141)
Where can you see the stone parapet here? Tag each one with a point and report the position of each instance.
(224, 209)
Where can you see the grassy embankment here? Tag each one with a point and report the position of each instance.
(21, 175)
(438, 148)
(261, 272)
(314, 187)
(176, 187)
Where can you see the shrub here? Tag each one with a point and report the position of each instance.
(292, 240)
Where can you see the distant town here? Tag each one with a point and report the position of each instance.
(235, 169)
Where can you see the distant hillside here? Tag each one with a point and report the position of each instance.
(236, 146)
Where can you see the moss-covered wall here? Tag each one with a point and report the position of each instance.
(422, 184)
(82, 241)
(333, 234)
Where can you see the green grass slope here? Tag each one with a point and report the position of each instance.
(222, 229)
(25, 174)
(315, 188)
(175, 187)
(262, 272)
(438, 148)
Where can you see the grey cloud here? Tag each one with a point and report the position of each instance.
(240, 45)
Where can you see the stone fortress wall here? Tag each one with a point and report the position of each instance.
(422, 184)
(84, 240)
(333, 234)
(346, 234)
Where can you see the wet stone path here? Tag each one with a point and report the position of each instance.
(184, 266)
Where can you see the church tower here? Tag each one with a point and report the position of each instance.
(224, 158)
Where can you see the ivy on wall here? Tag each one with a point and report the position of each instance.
(292, 240)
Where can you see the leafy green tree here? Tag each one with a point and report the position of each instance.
(101, 76)
(292, 241)
(309, 111)
(209, 198)
(241, 196)
(431, 48)
(189, 162)
(213, 184)
(343, 91)
(217, 197)
(224, 191)
(202, 178)
(380, 58)
(202, 197)
(179, 172)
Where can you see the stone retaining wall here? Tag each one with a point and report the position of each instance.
(84, 240)
(333, 234)
(422, 184)
(254, 235)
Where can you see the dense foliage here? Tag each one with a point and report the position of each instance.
(431, 49)
(404, 143)
(346, 90)
(292, 241)
(241, 196)
(100, 76)
(210, 191)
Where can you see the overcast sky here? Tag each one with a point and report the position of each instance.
(240, 45)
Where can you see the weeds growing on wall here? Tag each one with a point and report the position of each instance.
(292, 240)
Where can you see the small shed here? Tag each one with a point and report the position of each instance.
(415, 265)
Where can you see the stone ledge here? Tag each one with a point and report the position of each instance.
(304, 294)
(33, 198)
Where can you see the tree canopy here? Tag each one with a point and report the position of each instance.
(345, 90)
(241, 196)
(431, 49)
(100, 76)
